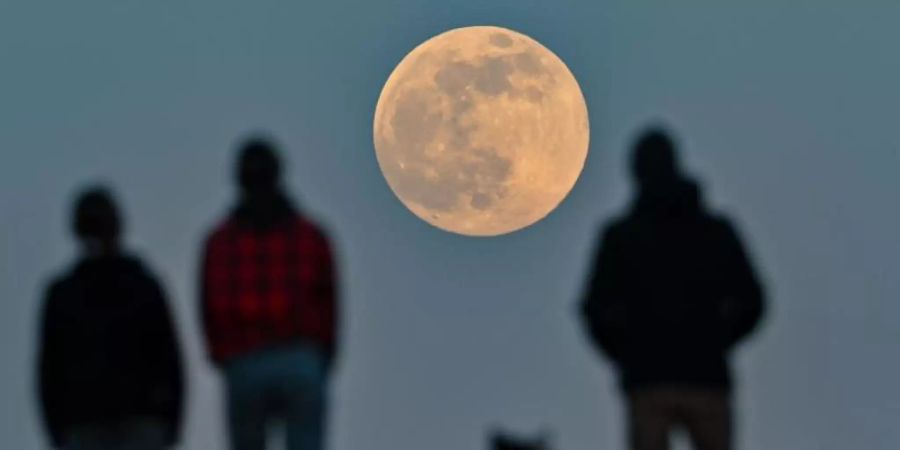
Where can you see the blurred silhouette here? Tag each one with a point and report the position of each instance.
(670, 294)
(503, 441)
(109, 364)
(269, 306)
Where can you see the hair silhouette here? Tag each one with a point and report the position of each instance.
(263, 203)
(654, 156)
(96, 215)
(259, 165)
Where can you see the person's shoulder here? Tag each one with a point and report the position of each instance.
(719, 222)
(58, 284)
(222, 230)
(617, 223)
(137, 265)
(717, 217)
(617, 226)
(313, 227)
(62, 283)
(56, 289)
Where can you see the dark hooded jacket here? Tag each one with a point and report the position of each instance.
(671, 292)
(108, 349)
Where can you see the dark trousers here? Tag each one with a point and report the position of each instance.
(704, 414)
(126, 434)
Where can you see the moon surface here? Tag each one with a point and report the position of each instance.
(481, 131)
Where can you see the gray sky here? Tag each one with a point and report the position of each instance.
(787, 110)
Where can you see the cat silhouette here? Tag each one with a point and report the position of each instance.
(504, 441)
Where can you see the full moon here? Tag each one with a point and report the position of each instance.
(481, 131)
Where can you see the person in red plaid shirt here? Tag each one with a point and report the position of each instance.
(269, 308)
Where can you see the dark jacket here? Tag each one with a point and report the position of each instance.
(671, 292)
(108, 349)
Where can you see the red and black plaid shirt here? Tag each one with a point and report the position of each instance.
(264, 288)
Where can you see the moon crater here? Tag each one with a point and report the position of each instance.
(481, 131)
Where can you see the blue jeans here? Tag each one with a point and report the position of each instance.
(127, 434)
(284, 384)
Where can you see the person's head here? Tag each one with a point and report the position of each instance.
(259, 166)
(96, 221)
(654, 159)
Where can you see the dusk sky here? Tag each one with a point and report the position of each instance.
(787, 112)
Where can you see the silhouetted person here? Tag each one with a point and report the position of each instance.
(670, 294)
(109, 364)
(270, 308)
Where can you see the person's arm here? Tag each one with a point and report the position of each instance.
(49, 371)
(602, 307)
(329, 308)
(171, 389)
(209, 257)
(743, 306)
